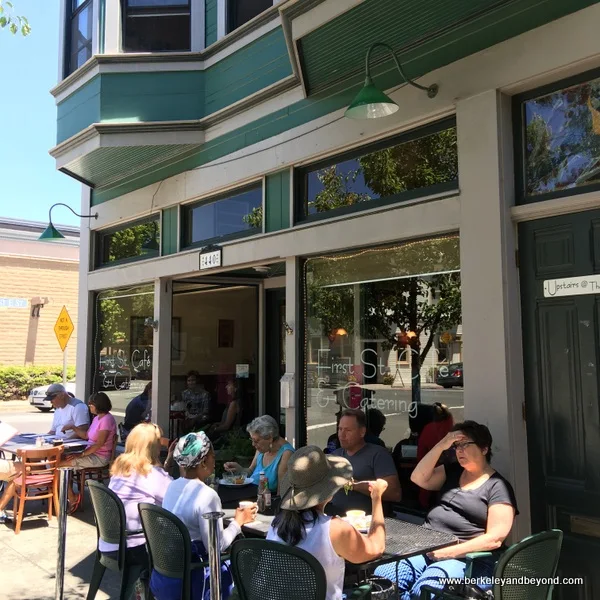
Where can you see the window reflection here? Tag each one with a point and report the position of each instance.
(80, 35)
(562, 139)
(138, 241)
(383, 330)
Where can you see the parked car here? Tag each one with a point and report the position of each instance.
(450, 375)
(37, 396)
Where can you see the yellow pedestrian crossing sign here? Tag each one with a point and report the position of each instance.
(63, 328)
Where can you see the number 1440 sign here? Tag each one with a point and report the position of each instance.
(210, 260)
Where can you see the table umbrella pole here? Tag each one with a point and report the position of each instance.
(214, 553)
(63, 498)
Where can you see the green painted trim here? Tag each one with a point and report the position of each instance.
(210, 22)
(79, 111)
(277, 201)
(169, 230)
(420, 60)
(102, 26)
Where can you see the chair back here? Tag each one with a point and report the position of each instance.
(534, 557)
(39, 466)
(266, 569)
(109, 514)
(168, 542)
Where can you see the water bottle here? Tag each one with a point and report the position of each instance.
(267, 497)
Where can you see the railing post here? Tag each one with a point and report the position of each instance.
(63, 498)
(214, 553)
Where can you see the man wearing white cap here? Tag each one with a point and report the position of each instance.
(67, 411)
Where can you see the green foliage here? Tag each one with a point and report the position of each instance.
(16, 382)
(14, 23)
(127, 243)
(255, 218)
(388, 379)
(336, 190)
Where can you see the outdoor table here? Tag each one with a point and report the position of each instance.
(258, 528)
(26, 441)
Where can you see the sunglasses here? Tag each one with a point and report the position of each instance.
(462, 445)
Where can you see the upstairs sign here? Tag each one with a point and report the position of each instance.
(63, 328)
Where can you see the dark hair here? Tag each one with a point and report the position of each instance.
(193, 373)
(290, 525)
(441, 412)
(376, 420)
(358, 414)
(147, 389)
(422, 415)
(101, 401)
(477, 432)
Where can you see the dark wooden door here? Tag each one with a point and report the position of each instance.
(274, 352)
(561, 340)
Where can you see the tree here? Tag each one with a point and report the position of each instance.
(128, 242)
(14, 23)
(400, 296)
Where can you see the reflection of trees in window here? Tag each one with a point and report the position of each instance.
(415, 164)
(562, 139)
(127, 243)
(254, 218)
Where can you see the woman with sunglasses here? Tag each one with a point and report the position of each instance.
(476, 504)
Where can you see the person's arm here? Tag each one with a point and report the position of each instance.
(80, 432)
(499, 523)
(233, 466)
(426, 475)
(229, 419)
(350, 544)
(383, 468)
(282, 469)
(169, 460)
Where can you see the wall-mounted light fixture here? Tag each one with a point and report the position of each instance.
(371, 102)
(288, 329)
(51, 234)
(150, 322)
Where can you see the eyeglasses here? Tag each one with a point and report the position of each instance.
(462, 445)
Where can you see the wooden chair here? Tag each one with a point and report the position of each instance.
(95, 474)
(38, 480)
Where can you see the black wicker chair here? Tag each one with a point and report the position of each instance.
(266, 569)
(109, 515)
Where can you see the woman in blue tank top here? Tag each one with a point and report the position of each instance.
(272, 452)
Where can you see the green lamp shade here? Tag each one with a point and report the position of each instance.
(51, 234)
(371, 103)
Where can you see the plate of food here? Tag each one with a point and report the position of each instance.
(235, 481)
(361, 522)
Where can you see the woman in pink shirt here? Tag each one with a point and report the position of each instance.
(101, 437)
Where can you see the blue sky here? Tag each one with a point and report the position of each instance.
(30, 182)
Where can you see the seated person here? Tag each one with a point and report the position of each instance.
(369, 462)
(138, 411)
(101, 440)
(189, 498)
(375, 425)
(137, 476)
(272, 452)
(433, 433)
(197, 402)
(476, 504)
(312, 480)
(232, 414)
(69, 412)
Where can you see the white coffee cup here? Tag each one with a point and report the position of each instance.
(246, 504)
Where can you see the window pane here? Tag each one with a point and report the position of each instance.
(383, 331)
(239, 213)
(81, 38)
(137, 241)
(158, 33)
(123, 350)
(415, 164)
(156, 3)
(562, 139)
(78, 3)
(242, 11)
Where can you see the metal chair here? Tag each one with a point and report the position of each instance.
(169, 545)
(109, 514)
(266, 569)
(535, 556)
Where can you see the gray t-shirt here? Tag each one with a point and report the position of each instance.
(369, 463)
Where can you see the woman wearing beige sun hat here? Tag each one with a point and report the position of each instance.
(311, 481)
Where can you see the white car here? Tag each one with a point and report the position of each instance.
(37, 396)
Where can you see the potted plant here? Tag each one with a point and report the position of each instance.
(238, 447)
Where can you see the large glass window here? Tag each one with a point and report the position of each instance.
(242, 11)
(137, 241)
(421, 163)
(560, 132)
(237, 214)
(157, 26)
(80, 34)
(123, 343)
(383, 330)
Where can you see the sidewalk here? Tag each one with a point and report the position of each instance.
(14, 405)
(28, 560)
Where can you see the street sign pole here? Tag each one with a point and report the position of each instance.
(65, 366)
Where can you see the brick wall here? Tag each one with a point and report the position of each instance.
(27, 340)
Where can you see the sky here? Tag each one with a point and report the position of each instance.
(29, 70)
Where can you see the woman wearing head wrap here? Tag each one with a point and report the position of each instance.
(189, 498)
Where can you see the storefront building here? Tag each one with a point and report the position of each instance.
(247, 229)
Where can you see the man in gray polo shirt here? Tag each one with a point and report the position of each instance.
(369, 462)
